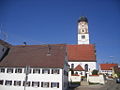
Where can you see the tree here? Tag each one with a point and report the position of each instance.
(95, 72)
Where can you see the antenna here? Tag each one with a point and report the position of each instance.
(3, 35)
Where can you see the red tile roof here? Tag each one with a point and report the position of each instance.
(35, 56)
(81, 52)
(107, 66)
(78, 68)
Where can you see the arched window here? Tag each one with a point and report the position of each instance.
(86, 67)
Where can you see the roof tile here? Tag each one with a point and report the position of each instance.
(107, 66)
(36, 56)
(81, 52)
(78, 68)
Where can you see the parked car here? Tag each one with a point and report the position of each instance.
(118, 80)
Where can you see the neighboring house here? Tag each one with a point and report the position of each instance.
(35, 67)
(115, 71)
(106, 68)
(4, 47)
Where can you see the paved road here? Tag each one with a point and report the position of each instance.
(110, 85)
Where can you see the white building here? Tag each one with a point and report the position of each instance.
(35, 67)
(4, 46)
(106, 68)
(83, 54)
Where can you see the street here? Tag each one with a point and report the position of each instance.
(110, 85)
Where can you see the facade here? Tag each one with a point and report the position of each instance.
(106, 68)
(83, 54)
(4, 46)
(35, 67)
(83, 34)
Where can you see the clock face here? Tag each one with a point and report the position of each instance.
(82, 27)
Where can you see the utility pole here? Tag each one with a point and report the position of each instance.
(27, 71)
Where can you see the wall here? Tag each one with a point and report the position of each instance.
(91, 65)
(31, 77)
(75, 78)
(96, 79)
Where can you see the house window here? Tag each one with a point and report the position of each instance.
(2, 70)
(45, 84)
(54, 85)
(10, 70)
(17, 83)
(36, 70)
(8, 82)
(55, 71)
(18, 70)
(26, 83)
(45, 71)
(72, 66)
(35, 84)
(1, 82)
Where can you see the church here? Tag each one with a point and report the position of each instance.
(46, 67)
(82, 57)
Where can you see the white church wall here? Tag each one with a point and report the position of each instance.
(91, 65)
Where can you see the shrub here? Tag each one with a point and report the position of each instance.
(95, 72)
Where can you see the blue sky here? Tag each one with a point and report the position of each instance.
(55, 22)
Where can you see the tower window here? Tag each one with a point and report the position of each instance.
(83, 36)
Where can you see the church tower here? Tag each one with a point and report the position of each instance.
(83, 35)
